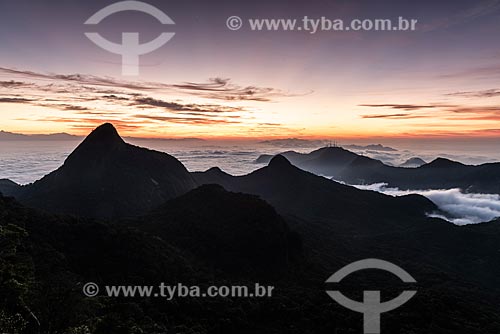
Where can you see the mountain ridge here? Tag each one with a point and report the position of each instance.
(352, 168)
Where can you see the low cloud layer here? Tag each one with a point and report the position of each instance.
(458, 207)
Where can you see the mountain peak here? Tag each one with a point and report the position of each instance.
(104, 177)
(105, 133)
(279, 161)
(100, 141)
(413, 162)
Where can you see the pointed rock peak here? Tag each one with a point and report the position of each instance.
(105, 134)
(100, 141)
(216, 172)
(413, 162)
(279, 161)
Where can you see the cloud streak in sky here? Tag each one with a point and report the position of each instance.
(178, 107)
(392, 116)
(14, 100)
(91, 98)
(486, 93)
(406, 107)
(214, 88)
(445, 112)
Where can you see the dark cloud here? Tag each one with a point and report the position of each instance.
(478, 94)
(179, 107)
(223, 89)
(186, 120)
(406, 107)
(444, 111)
(480, 113)
(114, 97)
(270, 124)
(91, 96)
(76, 78)
(49, 103)
(90, 112)
(64, 106)
(475, 118)
(214, 88)
(12, 84)
(393, 116)
(14, 100)
(475, 110)
(208, 115)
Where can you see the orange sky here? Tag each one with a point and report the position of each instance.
(441, 80)
(33, 102)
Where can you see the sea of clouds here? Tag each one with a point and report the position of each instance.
(458, 207)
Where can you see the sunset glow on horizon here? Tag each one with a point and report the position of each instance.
(440, 81)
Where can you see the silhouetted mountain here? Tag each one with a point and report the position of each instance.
(106, 177)
(413, 163)
(338, 219)
(442, 163)
(9, 188)
(349, 167)
(210, 236)
(296, 192)
(438, 174)
(291, 155)
(327, 161)
(237, 233)
(46, 259)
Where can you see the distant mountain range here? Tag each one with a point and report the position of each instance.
(413, 163)
(301, 194)
(294, 142)
(352, 168)
(10, 136)
(137, 216)
(310, 143)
